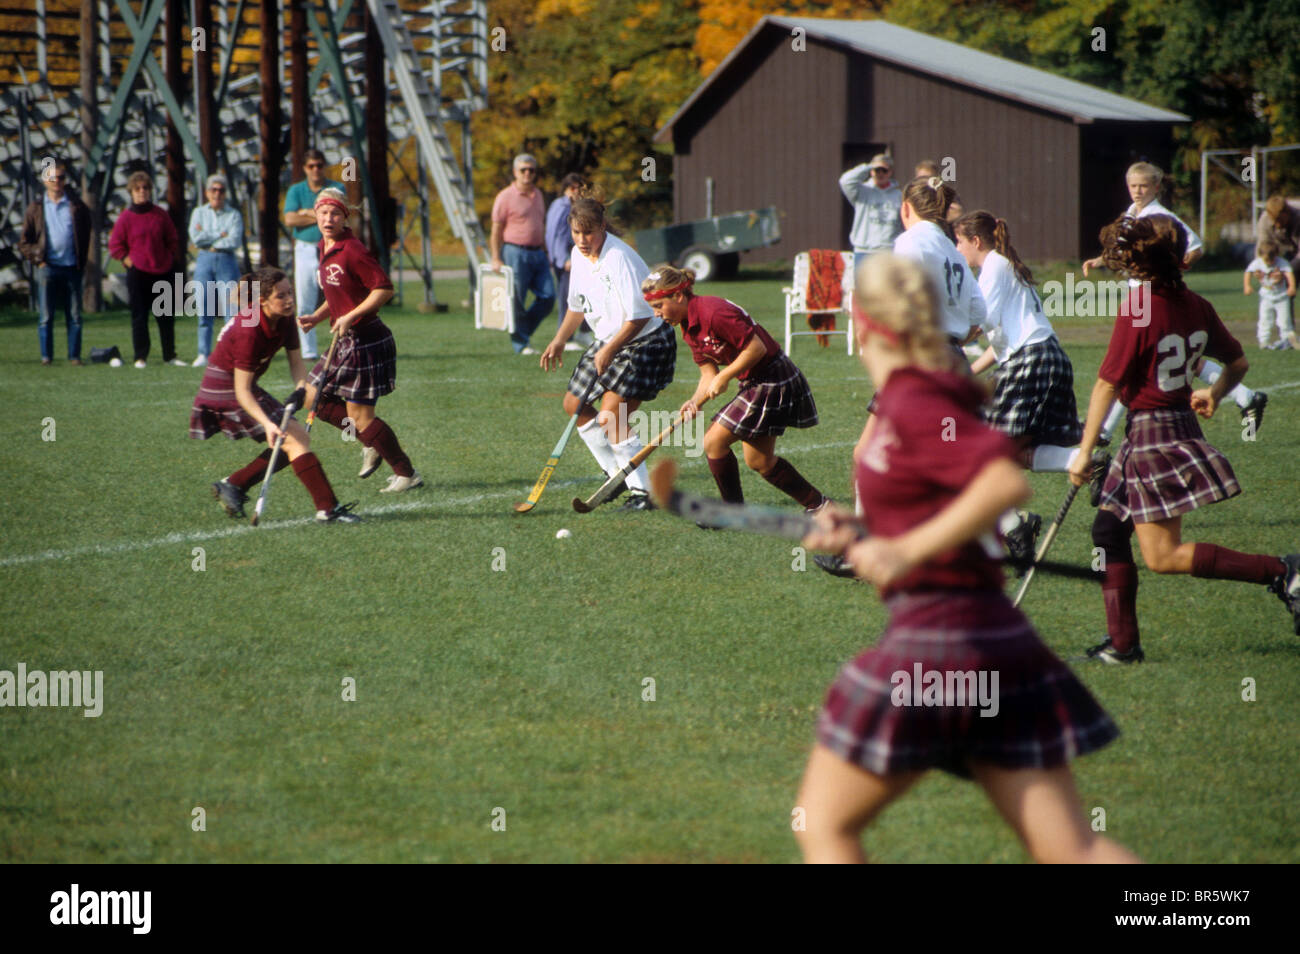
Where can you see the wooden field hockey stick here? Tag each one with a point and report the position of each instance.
(1047, 542)
(771, 521)
(608, 489)
(553, 461)
(315, 401)
(270, 467)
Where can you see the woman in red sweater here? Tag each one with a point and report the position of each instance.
(145, 241)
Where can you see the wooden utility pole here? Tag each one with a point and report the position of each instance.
(92, 298)
(268, 200)
(175, 148)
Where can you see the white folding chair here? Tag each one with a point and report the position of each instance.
(494, 299)
(796, 301)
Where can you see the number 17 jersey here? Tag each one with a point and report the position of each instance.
(1155, 346)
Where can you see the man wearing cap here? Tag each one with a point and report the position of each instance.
(518, 240)
(217, 230)
(300, 217)
(55, 239)
(877, 201)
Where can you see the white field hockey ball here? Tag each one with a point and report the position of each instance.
(562, 534)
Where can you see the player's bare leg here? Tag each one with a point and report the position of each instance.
(837, 801)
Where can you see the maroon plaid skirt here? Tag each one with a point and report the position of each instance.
(770, 403)
(364, 367)
(986, 658)
(1165, 467)
(216, 409)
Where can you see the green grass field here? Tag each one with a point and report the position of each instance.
(521, 688)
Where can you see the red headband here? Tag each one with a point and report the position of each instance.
(330, 200)
(667, 292)
(875, 327)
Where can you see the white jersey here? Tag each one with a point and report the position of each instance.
(1015, 314)
(960, 298)
(1272, 289)
(1155, 208)
(608, 290)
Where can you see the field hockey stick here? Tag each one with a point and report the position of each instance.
(770, 521)
(270, 467)
(609, 488)
(315, 401)
(553, 461)
(1047, 542)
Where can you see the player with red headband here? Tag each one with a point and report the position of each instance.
(364, 365)
(774, 394)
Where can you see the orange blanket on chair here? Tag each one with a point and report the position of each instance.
(825, 288)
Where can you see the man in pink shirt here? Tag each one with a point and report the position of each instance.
(518, 240)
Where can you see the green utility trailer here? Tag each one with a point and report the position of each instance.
(710, 247)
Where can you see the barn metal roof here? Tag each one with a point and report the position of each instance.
(955, 63)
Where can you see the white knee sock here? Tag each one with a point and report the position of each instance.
(593, 435)
(638, 480)
(1050, 458)
(1009, 521)
(1112, 420)
(1211, 370)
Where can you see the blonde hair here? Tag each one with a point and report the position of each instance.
(1147, 171)
(138, 177)
(899, 295)
(666, 276)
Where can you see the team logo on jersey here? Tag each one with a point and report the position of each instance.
(333, 274)
(876, 454)
(584, 305)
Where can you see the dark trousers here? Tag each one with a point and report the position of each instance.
(144, 301)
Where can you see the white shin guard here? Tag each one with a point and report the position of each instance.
(593, 435)
(638, 480)
(1052, 459)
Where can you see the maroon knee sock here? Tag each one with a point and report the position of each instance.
(332, 411)
(255, 470)
(726, 473)
(1213, 562)
(789, 481)
(312, 475)
(381, 437)
(1119, 590)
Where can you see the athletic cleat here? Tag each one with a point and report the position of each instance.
(1287, 587)
(342, 513)
(835, 565)
(1107, 653)
(370, 461)
(1254, 411)
(200, 362)
(398, 484)
(638, 500)
(826, 502)
(1097, 476)
(231, 497)
(1022, 540)
(141, 363)
(178, 363)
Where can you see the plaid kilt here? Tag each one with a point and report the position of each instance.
(640, 370)
(216, 409)
(770, 401)
(1044, 715)
(1034, 396)
(364, 368)
(1165, 467)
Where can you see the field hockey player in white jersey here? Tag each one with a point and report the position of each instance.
(633, 356)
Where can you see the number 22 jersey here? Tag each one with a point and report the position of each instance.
(1155, 346)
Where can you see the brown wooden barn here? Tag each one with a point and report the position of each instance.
(785, 114)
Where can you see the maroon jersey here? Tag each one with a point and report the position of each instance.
(1153, 349)
(929, 443)
(348, 273)
(717, 331)
(249, 344)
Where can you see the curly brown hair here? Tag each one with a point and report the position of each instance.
(1149, 249)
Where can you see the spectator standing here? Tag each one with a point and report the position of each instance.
(559, 244)
(876, 199)
(145, 241)
(217, 230)
(518, 234)
(55, 239)
(300, 217)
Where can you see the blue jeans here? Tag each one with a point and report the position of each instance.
(59, 284)
(212, 270)
(532, 273)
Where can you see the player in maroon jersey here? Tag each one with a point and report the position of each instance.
(1165, 467)
(230, 400)
(959, 680)
(364, 367)
(774, 394)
